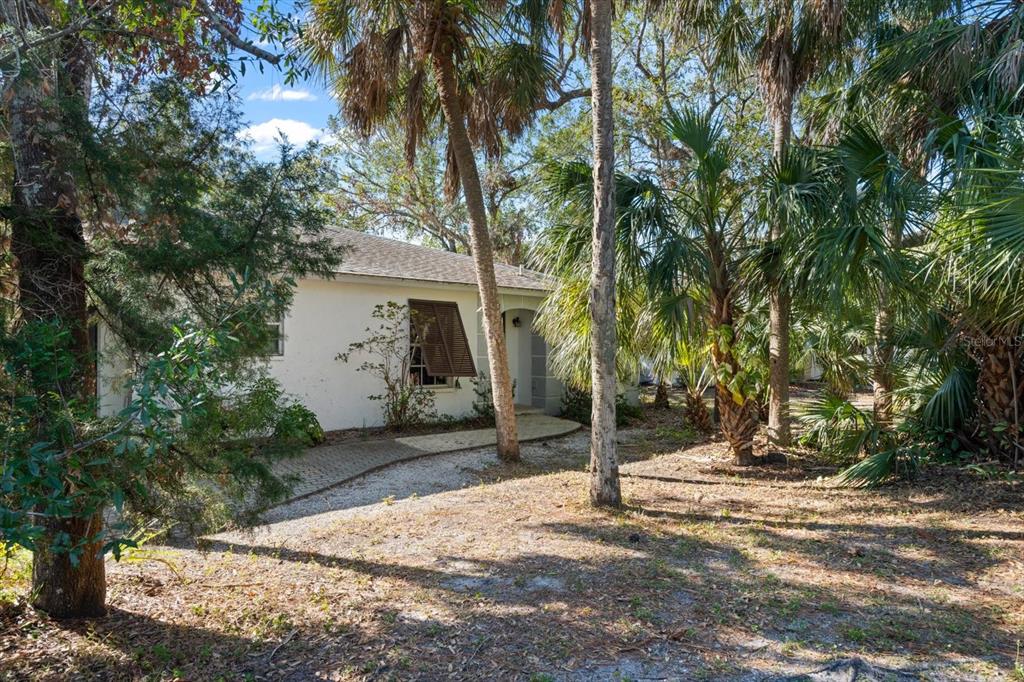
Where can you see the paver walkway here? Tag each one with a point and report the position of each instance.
(326, 466)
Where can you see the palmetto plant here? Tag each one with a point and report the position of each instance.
(642, 216)
(693, 362)
(837, 341)
(854, 245)
(680, 254)
(979, 264)
(789, 44)
(956, 361)
(483, 68)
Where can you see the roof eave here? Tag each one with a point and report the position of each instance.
(540, 291)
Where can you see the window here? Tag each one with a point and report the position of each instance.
(421, 376)
(439, 350)
(275, 338)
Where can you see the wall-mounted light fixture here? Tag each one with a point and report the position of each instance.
(516, 322)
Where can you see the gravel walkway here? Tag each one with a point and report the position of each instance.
(324, 467)
(416, 480)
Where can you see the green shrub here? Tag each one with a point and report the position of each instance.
(577, 406)
(298, 422)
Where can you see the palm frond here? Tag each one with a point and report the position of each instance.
(880, 468)
(839, 428)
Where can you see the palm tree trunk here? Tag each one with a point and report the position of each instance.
(1001, 395)
(881, 367)
(695, 413)
(661, 395)
(483, 256)
(778, 311)
(739, 424)
(604, 467)
(882, 374)
(736, 419)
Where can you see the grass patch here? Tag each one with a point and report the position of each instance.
(15, 574)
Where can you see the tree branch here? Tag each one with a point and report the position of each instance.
(564, 98)
(232, 37)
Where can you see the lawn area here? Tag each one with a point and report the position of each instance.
(472, 570)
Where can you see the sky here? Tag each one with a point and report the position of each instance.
(271, 108)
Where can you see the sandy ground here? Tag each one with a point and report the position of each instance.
(457, 567)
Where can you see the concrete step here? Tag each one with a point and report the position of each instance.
(528, 409)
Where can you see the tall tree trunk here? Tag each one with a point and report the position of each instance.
(881, 367)
(778, 311)
(45, 102)
(882, 375)
(604, 466)
(1001, 394)
(71, 589)
(483, 256)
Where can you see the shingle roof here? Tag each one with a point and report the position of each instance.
(373, 256)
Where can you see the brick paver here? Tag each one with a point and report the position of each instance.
(326, 466)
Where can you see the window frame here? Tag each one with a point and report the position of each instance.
(279, 351)
(419, 361)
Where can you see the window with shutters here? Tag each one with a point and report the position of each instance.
(439, 349)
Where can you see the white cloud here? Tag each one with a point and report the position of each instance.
(266, 136)
(276, 93)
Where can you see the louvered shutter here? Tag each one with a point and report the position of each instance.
(438, 327)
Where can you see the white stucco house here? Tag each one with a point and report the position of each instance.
(329, 314)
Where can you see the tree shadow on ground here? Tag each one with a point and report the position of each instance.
(668, 599)
(128, 645)
(952, 556)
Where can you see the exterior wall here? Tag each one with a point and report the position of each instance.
(535, 385)
(325, 317)
(810, 370)
(113, 371)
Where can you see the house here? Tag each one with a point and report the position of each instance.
(329, 314)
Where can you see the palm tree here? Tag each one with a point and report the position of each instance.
(790, 47)
(965, 61)
(604, 467)
(965, 72)
(680, 256)
(702, 257)
(489, 76)
(857, 247)
(980, 256)
(790, 43)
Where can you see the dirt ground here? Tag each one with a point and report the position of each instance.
(710, 573)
